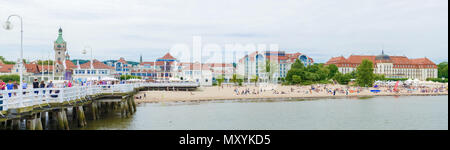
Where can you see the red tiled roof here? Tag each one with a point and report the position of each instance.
(162, 63)
(32, 68)
(398, 61)
(196, 67)
(97, 65)
(143, 71)
(167, 56)
(122, 60)
(219, 65)
(46, 67)
(69, 64)
(6, 68)
(147, 63)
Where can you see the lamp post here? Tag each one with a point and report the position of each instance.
(85, 52)
(9, 26)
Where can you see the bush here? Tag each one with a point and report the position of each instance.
(126, 77)
(7, 78)
(325, 82)
(438, 80)
(307, 83)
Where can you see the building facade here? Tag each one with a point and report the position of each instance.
(390, 66)
(254, 64)
(97, 71)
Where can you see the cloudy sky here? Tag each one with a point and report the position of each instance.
(319, 28)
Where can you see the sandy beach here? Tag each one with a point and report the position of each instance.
(267, 92)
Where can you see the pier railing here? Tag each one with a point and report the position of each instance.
(12, 99)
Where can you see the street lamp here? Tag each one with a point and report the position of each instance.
(9, 26)
(85, 52)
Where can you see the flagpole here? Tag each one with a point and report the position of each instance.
(42, 71)
(53, 69)
(48, 66)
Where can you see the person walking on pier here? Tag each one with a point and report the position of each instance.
(10, 86)
(15, 87)
(36, 86)
(42, 85)
(50, 85)
(2, 87)
(24, 86)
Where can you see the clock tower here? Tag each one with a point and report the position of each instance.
(60, 47)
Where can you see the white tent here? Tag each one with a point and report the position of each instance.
(134, 80)
(92, 79)
(109, 79)
(175, 79)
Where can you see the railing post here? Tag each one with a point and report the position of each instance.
(61, 95)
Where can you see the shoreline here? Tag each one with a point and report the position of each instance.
(215, 94)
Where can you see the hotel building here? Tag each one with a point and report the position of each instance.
(390, 66)
(254, 64)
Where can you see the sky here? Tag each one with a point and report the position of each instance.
(320, 29)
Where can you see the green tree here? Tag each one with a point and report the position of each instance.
(220, 80)
(270, 69)
(254, 79)
(240, 81)
(45, 62)
(297, 65)
(364, 74)
(323, 73)
(296, 79)
(2, 59)
(333, 70)
(342, 79)
(379, 77)
(443, 70)
(292, 72)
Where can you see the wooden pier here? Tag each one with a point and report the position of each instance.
(66, 108)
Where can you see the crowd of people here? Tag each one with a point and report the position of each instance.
(38, 86)
(334, 90)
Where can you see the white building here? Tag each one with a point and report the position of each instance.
(97, 71)
(390, 66)
(197, 73)
(254, 64)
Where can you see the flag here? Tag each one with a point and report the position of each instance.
(64, 64)
(396, 86)
(92, 64)
(78, 64)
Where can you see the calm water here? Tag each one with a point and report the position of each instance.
(404, 113)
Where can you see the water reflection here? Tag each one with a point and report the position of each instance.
(384, 112)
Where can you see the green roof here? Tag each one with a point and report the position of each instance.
(60, 39)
